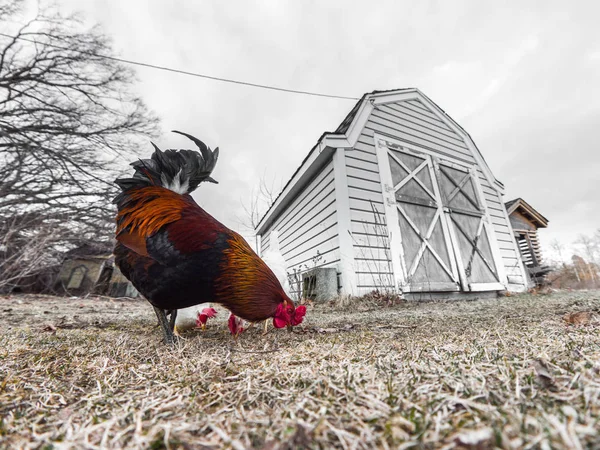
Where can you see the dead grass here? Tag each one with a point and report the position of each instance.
(507, 373)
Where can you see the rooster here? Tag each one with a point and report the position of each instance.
(177, 255)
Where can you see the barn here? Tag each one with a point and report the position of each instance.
(397, 198)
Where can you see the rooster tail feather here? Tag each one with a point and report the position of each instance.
(180, 171)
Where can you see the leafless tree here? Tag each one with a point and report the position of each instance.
(559, 248)
(590, 248)
(27, 247)
(68, 121)
(261, 199)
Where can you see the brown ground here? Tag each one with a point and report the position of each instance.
(506, 373)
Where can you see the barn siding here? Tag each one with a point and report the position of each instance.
(504, 236)
(410, 122)
(307, 226)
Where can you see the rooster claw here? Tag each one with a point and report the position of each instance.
(167, 326)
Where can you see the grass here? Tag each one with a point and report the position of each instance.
(496, 373)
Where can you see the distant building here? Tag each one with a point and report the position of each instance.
(90, 269)
(525, 221)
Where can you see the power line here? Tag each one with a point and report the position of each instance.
(185, 72)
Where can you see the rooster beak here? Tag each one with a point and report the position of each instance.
(289, 328)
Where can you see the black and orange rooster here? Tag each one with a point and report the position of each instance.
(177, 255)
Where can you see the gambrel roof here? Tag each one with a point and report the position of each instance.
(346, 136)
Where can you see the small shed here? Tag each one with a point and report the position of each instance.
(82, 268)
(397, 198)
(525, 221)
(90, 268)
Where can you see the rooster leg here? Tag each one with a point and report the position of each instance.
(166, 326)
(173, 313)
(266, 327)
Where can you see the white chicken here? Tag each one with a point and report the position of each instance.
(186, 317)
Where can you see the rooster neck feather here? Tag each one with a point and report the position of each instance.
(252, 287)
(148, 209)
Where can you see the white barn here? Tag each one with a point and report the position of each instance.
(397, 197)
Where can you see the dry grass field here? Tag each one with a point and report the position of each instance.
(496, 373)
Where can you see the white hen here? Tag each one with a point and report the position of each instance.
(276, 261)
(186, 317)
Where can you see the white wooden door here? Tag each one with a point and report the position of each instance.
(470, 231)
(415, 216)
(438, 233)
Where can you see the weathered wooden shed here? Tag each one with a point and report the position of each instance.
(398, 197)
(80, 272)
(525, 221)
(90, 269)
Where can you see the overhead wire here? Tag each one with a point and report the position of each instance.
(185, 72)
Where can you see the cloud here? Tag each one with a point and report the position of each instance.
(522, 80)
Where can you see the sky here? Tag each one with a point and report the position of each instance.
(523, 78)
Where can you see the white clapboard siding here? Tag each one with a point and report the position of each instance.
(379, 281)
(500, 225)
(371, 252)
(372, 266)
(307, 257)
(313, 224)
(418, 107)
(311, 240)
(264, 244)
(310, 196)
(369, 228)
(309, 226)
(431, 140)
(414, 121)
(360, 170)
(322, 182)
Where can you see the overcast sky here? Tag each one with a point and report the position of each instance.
(524, 81)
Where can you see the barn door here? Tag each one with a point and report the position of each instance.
(415, 213)
(469, 230)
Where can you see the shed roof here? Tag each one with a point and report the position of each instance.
(520, 205)
(91, 250)
(341, 134)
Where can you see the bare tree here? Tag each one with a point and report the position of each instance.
(590, 248)
(68, 116)
(27, 247)
(261, 199)
(558, 247)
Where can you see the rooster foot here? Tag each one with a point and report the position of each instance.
(166, 325)
(176, 333)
